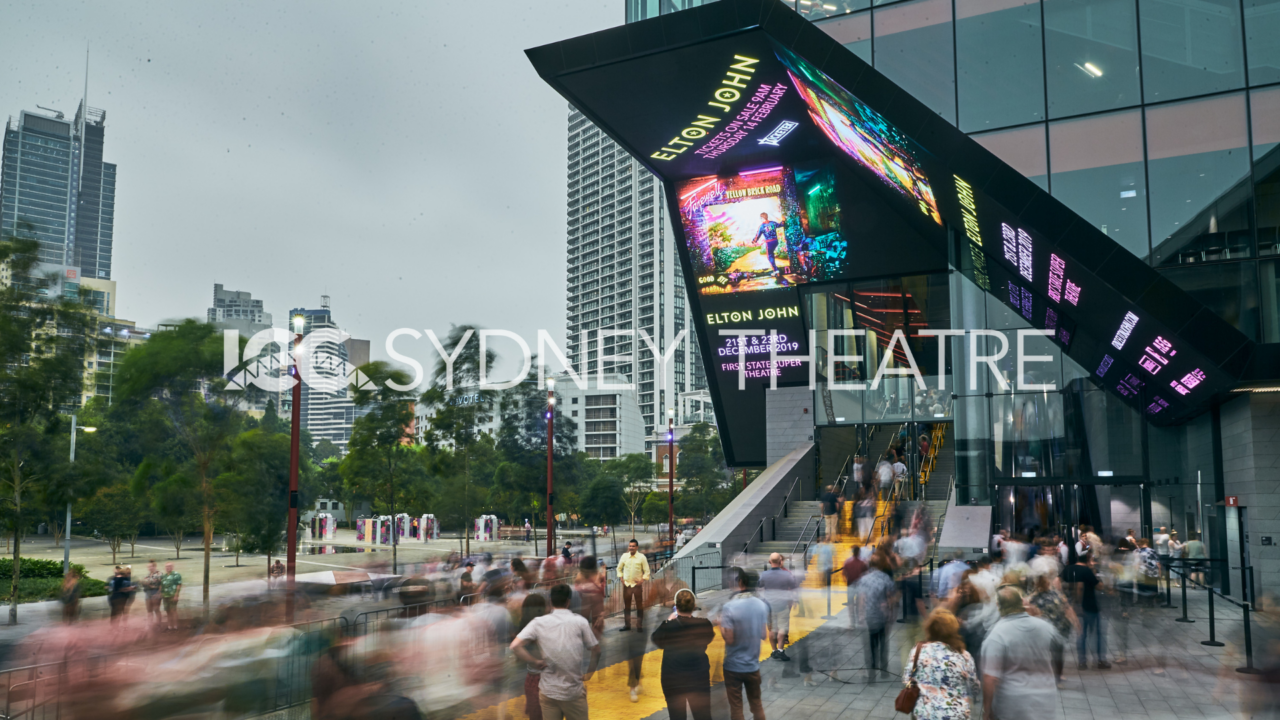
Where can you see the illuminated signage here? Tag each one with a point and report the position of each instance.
(1126, 329)
(1105, 365)
(969, 213)
(1017, 249)
(729, 92)
(743, 316)
(779, 133)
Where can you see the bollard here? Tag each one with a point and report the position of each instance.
(1248, 669)
(1184, 618)
(1212, 641)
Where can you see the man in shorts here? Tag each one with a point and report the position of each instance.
(778, 589)
(170, 590)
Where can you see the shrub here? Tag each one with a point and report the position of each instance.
(37, 568)
(40, 589)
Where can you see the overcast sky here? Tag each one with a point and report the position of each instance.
(403, 158)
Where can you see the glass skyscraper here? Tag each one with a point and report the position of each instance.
(55, 188)
(1156, 120)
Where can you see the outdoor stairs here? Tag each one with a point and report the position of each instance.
(789, 529)
(943, 469)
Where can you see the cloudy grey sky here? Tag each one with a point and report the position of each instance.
(403, 158)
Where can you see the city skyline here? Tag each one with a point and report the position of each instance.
(234, 150)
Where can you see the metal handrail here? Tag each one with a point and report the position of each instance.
(796, 548)
(746, 549)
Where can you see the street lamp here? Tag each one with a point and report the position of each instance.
(671, 477)
(295, 435)
(66, 539)
(551, 414)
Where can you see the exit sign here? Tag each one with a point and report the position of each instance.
(1233, 501)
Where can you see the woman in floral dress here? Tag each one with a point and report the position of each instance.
(944, 671)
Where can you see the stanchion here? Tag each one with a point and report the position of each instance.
(1212, 641)
(1248, 669)
(1184, 618)
(1168, 585)
(828, 616)
(903, 619)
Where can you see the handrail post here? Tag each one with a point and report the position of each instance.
(1184, 618)
(1212, 638)
(1248, 668)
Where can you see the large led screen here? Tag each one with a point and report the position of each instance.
(862, 134)
(762, 229)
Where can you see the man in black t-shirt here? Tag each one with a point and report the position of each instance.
(1081, 584)
(831, 511)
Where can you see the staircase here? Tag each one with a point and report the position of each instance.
(790, 528)
(944, 467)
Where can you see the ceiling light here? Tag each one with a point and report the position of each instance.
(1089, 69)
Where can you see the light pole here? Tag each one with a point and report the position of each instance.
(551, 414)
(671, 477)
(66, 538)
(295, 435)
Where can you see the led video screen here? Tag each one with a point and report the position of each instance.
(762, 229)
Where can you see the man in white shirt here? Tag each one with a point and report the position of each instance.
(563, 639)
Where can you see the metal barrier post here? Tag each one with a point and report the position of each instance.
(1212, 641)
(1248, 669)
(1184, 618)
(693, 580)
(1168, 584)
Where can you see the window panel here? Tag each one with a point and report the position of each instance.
(1201, 202)
(854, 32)
(915, 49)
(1091, 49)
(1270, 300)
(1000, 63)
(815, 9)
(1098, 172)
(1264, 109)
(1261, 28)
(1190, 47)
(1023, 149)
(1228, 289)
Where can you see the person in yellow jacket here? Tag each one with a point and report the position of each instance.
(633, 571)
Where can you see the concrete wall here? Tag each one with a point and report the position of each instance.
(1251, 471)
(836, 445)
(788, 421)
(733, 526)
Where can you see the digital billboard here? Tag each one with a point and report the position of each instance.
(763, 228)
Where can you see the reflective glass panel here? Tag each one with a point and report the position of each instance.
(815, 9)
(1023, 149)
(1261, 29)
(1097, 172)
(1264, 108)
(1091, 55)
(1201, 201)
(854, 32)
(1228, 289)
(1000, 63)
(915, 49)
(1270, 301)
(1190, 47)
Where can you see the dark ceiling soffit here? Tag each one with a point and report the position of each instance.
(1004, 185)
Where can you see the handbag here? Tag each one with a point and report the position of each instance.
(910, 695)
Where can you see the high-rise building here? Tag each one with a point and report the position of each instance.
(327, 415)
(623, 274)
(237, 310)
(55, 188)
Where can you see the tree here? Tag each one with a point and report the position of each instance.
(602, 503)
(707, 482)
(114, 512)
(380, 454)
(253, 490)
(174, 500)
(634, 472)
(655, 508)
(44, 338)
(180, 370)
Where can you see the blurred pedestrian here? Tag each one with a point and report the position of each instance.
(743, 624)
(590, 594)
(777, 587)
(831, 511)
(943, 670)
(533, 607)
(151, 587)
(633, 571)
(119, 588)
(70, 596)
(876, 597)
(686, 671)
(1053, 607)
(1017, 664)
(853, 570)
(564, 639)
(864, 512)
(1147, 595)
(170, 592)
(1081, 585)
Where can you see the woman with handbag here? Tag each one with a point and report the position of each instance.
(942, 679)
(686, 670)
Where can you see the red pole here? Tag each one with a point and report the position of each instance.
(551, 414)
(295, 435)
(671, 480)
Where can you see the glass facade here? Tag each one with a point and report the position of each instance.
(1150, 135)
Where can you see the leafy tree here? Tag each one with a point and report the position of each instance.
(655, 508)
(115, 512)
(174, 499)
(708, 486)
(325, 450)
(602, 503)
(180, 370)
(253, 491)
(634, 472)
(381, 459)
(43, 341)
